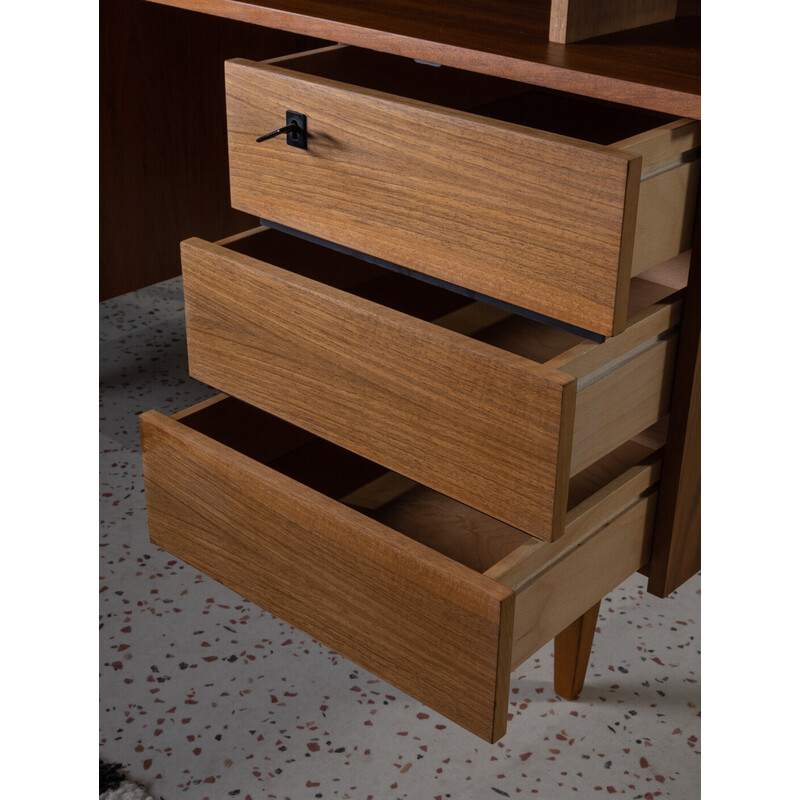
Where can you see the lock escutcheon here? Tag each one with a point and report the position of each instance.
(295, 130)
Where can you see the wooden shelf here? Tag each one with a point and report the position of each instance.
(656, 67)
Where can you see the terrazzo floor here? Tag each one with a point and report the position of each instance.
(204, 695)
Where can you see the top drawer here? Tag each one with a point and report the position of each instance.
(545, 201)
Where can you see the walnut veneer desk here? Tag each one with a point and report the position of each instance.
(473, 314)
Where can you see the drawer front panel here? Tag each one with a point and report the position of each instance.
(487, 427)
(538, 220)
(430, 626)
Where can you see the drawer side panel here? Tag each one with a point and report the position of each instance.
(623, 404)
(561, 591)
(665, 221)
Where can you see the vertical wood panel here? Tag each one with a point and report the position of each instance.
(566, 587)
(575, 20)
(622, 404)
(163, 154)
(666, 216)
(676, 538)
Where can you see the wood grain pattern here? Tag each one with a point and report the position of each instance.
(663, 143)
(430, 626)
(624, 383)
(286, 448)
(665, 219)
(401, 76)
(538, 220)
(390, 592)
(656, 67)
(668, 191)
(587, 358)
(608, 538)
(458, 531)
(571, 651)
(575, 20)
(639, 453)
(622, 490)
(622, 403)
(596, 496)
(475, 422)
(670, 152)
(655, 284)
(379, 492)
(676, 539)
(461, 415)
(163, 153)
(652, 229)
(586, 573)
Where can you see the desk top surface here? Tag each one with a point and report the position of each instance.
(655, 67)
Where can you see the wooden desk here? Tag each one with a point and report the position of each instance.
(655, 68)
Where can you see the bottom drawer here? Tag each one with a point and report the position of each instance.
(434, 597)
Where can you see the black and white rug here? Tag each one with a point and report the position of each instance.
(115, 786)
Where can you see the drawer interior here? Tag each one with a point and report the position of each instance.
(543, 109)
(520, 335)
(457, 531)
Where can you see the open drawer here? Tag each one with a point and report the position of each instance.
(492, 409)
(434, 597)
(546, 201)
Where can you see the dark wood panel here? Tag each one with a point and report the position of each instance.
(654, 67)
(575, 20)
(163, 158)
(676, 538)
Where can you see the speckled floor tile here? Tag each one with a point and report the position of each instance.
(204, 695)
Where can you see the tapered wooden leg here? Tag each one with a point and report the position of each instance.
(572, 651)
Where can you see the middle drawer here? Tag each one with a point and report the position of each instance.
(492, 409)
